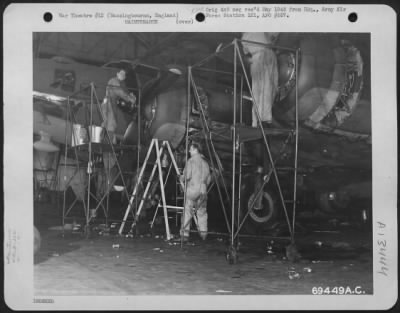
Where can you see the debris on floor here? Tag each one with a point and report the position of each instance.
(321, 261)
(340, 244)
(114, 225)
(293, 275)
(150, 266)
(270, 247)
(67, 227)
(77, 228)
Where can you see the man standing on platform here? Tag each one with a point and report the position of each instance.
(264, 74)
(116, 90)
(198, 177)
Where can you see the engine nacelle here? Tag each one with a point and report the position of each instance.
(330, 81)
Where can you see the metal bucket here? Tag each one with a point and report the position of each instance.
(96, 133)
(79, 135)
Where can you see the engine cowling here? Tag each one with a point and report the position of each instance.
(330, 81)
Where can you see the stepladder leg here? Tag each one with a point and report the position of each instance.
(129, 208)
(157, 169)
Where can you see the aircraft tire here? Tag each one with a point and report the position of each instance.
(260, 218)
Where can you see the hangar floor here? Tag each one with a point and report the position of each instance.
(149, 265)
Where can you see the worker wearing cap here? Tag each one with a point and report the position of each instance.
(198, 177)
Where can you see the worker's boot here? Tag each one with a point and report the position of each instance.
(203, 235)
(266, 124)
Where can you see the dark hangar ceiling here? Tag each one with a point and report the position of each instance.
(152, 48)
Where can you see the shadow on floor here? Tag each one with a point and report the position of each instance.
(54, 244)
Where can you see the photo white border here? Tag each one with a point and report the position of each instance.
(21, 20)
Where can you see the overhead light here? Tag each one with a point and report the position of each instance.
(175, 71)
(44, 144)
(48, 97)
(118, 188)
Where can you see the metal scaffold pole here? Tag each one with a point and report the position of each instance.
(207, 135)
(186, 151)
(266, 145)
(234, 144)
(139, 132)
(65, 162)
(69, 123)
(296, 147)
(89, 166)
(236, 131)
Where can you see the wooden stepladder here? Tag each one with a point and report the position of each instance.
(165, 148)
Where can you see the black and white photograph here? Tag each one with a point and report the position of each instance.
(236, 163)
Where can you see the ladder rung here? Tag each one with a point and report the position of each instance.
(286, 168)
(171, 207)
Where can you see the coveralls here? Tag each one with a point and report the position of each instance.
(264, 74)
(115, 89)
(198, 178)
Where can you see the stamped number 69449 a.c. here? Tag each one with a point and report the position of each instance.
(337, 290)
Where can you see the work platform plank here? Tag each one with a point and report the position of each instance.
(104, 147)
(82, 150)
(246, 133)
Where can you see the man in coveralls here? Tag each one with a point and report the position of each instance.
(198, 177)
(264, 74)
(115, 90)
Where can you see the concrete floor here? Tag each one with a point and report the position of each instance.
(150, 265)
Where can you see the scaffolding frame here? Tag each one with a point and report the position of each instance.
(101, 148)
(237, 142)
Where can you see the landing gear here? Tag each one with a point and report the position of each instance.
(264, 211)
(263, 214)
